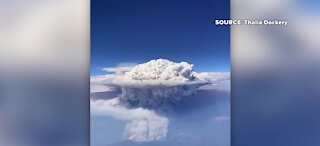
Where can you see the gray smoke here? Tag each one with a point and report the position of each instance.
(143, 124)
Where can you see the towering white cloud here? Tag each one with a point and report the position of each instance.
(155, 83)
(145, 89)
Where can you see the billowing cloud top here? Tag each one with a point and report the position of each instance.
(154, 73)
(161, 69)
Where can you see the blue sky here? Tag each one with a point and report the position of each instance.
(127, 31)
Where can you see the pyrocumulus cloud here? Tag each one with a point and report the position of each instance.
(146, 88)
